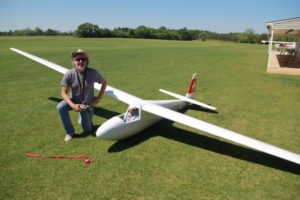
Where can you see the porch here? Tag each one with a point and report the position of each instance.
(286, 58)
(284, 63)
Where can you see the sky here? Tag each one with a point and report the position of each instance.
(221, 16)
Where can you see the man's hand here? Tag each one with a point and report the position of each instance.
(65, 96)
(76, 107)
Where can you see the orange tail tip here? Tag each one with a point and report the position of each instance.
(192, 86)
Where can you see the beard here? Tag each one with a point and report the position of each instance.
(79, 68)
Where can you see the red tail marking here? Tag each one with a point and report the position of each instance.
(192, 87)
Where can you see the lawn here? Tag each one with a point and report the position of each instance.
(168, 160)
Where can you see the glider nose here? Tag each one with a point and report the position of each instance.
(111, 129)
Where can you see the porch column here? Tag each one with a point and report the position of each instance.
(271, 42)
(270, 47)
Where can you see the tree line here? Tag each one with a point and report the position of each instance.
(91, 30)
(88, 30)
(36, 32)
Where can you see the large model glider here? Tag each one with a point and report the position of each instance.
(144, 113)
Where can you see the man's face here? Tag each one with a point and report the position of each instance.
(80, 62)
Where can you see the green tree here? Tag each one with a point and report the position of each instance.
(104, 33)
(38, 31)
(249, 31)
(143, 32)
(121, 32)
(88, 30)
(50, 32)
(250, 34)
(242, 38)
(163, 33)
(184, 34)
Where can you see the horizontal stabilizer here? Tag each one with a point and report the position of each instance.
(188, 100)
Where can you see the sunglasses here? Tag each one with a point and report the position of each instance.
(80, 58)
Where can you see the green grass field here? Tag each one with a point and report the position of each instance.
(168, 160)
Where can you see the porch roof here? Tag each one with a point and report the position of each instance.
(285, 27)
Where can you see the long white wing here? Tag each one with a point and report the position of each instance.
(111, 91)
(120, 95)
(221, 132)
(42, 61)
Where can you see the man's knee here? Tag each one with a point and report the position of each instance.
(61, 106)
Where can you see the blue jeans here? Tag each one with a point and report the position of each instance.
(85, 117)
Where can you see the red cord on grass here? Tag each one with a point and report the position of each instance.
(86, 161)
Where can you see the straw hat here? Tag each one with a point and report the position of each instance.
(79, 51)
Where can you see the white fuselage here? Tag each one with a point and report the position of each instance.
(118, 128)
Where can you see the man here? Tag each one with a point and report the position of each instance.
(81, 80)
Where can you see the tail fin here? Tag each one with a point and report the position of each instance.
(192, 87)
(190, 94)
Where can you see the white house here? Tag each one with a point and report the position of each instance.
(286, 58)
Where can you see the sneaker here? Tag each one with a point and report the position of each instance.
(68, 138)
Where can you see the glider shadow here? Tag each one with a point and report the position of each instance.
(166, 129)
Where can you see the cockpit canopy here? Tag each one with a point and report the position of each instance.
(132, 114)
